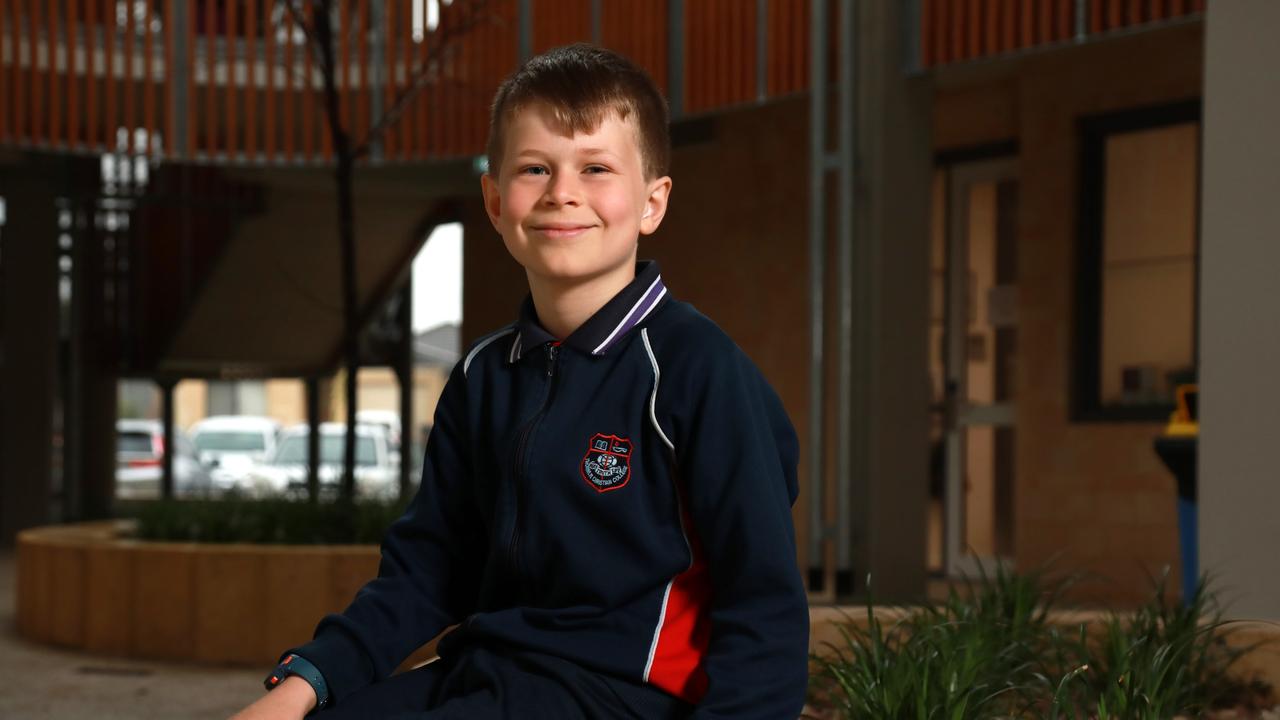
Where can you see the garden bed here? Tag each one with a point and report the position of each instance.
(91, 586)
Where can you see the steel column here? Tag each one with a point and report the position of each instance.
(817, 254)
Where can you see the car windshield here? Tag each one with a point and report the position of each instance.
(293, 451)
(133, 442)
(230, 441)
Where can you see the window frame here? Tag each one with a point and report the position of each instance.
(1086, 366)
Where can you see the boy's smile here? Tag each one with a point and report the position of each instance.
(571, 207)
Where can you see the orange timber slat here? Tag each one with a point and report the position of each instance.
(361, 127)
(269, 86)
(128, 48)
(231, 89)
(37, 77)
(149, 85)
(405, 122)
(388, 89)
(288, 131)
(56, 79)
(251, 94)
(343, 81)
(308, 95)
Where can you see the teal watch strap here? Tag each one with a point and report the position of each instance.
(300, 666)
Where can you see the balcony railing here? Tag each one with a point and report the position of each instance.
(234, 80)
(959, 30)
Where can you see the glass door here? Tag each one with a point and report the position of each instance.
(979, 358)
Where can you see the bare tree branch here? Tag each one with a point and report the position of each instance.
(312, 43)
(424, 75)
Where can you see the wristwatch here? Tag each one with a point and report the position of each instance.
(300, 666)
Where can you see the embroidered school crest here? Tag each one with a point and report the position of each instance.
(607, 464)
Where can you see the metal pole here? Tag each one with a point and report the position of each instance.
(1082, 20)
(179, 77)
(817, 254)
(405, 373)
(912, 30)
(526, 29)
(166, 467)
(675, 57)
(597, 14)
(845, 281)
(762, 50)
(313, 438)
(377, 66)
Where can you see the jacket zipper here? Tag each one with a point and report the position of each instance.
(521, 464)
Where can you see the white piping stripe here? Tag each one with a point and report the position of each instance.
(657, 631)
(653, 396)
(630, 312)
(466, 364)
(515, 349)
(684, 534)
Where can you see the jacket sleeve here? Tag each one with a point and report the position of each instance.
(429, 572)
(736, 455)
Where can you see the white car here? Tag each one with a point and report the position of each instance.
(140, 454)
(389, 420)
(230, 446)
(285, 470)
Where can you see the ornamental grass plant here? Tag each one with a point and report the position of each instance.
(991, 650)
(273, 521)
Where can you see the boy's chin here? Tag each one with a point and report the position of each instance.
(567, 273)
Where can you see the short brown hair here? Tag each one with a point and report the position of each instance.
(583, 83)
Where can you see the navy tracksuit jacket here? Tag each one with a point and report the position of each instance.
(620, 500)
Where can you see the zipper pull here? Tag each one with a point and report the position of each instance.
(551, 359)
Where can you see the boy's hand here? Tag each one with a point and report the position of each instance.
(292, 699)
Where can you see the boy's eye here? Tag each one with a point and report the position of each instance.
(533, 170)
(597, 169)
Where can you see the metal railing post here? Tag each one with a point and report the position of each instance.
(675, 57)
(846, 195)
(817, 255)
(178, 75)
(526, 30)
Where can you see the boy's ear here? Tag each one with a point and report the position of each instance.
(492, 199)
(655, 205)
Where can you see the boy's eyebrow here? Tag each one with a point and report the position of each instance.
(535, 152)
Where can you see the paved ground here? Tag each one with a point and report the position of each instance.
(43, 683)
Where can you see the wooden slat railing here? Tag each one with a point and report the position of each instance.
(960, 30)
(88, 75)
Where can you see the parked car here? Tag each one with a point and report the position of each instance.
(230, 445)
(285, 470)
(389, 420)
(139, 458)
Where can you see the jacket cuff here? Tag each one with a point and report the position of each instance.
(343, 663)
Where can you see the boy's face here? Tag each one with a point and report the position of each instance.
(571, 208)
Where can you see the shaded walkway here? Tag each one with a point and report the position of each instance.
(43, 683)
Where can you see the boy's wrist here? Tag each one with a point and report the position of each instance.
(298, 693)
(295, 670)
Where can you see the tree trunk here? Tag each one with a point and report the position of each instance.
(346, 237)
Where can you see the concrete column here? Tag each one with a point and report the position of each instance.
(30, 326)
(1239, 471)
(891, 293)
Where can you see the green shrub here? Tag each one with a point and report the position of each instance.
(270, 521)
(1163, 660)
(989, 651)
(974, 656)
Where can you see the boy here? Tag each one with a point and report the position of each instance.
(605, 500)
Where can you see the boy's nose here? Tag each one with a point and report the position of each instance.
(561, 190)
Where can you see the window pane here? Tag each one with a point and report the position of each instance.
(1148, 264)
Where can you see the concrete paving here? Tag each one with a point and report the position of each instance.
(38, 682)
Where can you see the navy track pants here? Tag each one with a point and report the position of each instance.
(487, 684)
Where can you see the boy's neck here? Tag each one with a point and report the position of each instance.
(563, 307)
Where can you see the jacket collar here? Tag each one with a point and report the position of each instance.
(606, 327)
